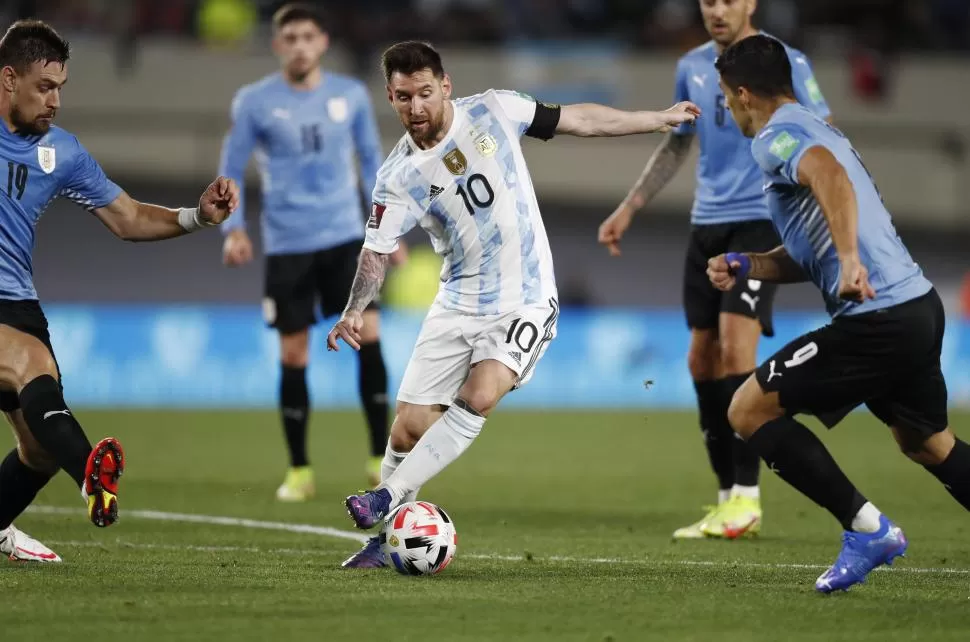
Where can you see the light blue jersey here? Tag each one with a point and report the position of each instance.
(473, 194)
(305, 144)
(778, 149)
(728, 180)
(38, 170)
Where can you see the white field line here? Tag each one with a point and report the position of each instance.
(327, 531)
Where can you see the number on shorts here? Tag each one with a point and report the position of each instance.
(524, 333)
(802, 355)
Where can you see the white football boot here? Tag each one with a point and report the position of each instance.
(21, 547)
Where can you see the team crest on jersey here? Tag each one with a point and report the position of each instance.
(456, 162)
(338, 109)
(486, 145)
(47, 158)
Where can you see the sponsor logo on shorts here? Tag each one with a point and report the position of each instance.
(771, 371)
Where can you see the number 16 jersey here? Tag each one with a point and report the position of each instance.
(473, 194)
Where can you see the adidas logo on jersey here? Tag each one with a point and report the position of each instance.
(435, 192)
(517, 356)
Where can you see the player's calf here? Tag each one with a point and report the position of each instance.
(943, 456)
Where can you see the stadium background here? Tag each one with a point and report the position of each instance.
(167, 325)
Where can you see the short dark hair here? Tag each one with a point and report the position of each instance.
(30, 41)
(760, 64)
(298, 12)
(411, 56)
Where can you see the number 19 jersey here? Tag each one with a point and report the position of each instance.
(473, 194)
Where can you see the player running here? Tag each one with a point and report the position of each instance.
(45, 162)
(729, 213)
(883, 345)
(306, 126)
(460, 174)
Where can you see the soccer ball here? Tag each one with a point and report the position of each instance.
(418, 538)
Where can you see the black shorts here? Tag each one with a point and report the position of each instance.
(704, 303)
(888, 359)
(295, 283)
(28, 317)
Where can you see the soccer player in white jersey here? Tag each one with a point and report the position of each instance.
(460, 174)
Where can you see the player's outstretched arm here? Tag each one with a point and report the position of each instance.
(371, 269)
(820, 171)
(592, 120)
(662, 166)
(131, 220)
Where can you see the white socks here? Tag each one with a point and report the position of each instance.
(444, 442)
(392, 459)
(867, 519)
(751, 492)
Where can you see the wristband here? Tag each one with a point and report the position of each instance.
(740, 272)
(189, 220)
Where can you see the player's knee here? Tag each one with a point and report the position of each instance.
(703, 359)
(931, 451)
(295, 350)
(478, 401)
(738, 356)
(745, 412)
(30, 363)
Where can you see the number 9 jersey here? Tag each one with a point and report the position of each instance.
(473, 194)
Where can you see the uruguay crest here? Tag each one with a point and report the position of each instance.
(455, 161)
(338, 109)
(47, 158)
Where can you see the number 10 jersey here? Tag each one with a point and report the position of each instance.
(473, 194)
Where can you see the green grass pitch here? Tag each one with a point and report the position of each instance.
(563, 521)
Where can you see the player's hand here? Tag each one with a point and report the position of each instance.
(219, 200)
(614, 227)
(721, 272)
(400, 255)
(682, 112)
(854, 281)
(348, 329)
(237, 249)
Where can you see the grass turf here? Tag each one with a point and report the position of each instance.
(564, 525)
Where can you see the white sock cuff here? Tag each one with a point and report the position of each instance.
(465, 423)
(393, 454)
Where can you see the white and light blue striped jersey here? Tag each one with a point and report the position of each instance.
(728, 180)
(797, 215)
(473, 194)
(305, 143)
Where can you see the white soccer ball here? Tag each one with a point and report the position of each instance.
(418, 538)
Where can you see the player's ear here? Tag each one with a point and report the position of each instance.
(325, 45)
(390, 95)
(446, 86)
(752, 7)
(8, 78)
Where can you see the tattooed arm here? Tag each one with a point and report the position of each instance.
(661, 167)
(371, 268)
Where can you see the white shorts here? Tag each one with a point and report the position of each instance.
(450, 343)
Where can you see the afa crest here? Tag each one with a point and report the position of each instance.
(47, 158)
(456, 162)
(486, 145)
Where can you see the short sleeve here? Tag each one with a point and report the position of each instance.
(390, 218)
(807, 90)
(779, 149)
(88, 186)
(681, 93)
(530, 116)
